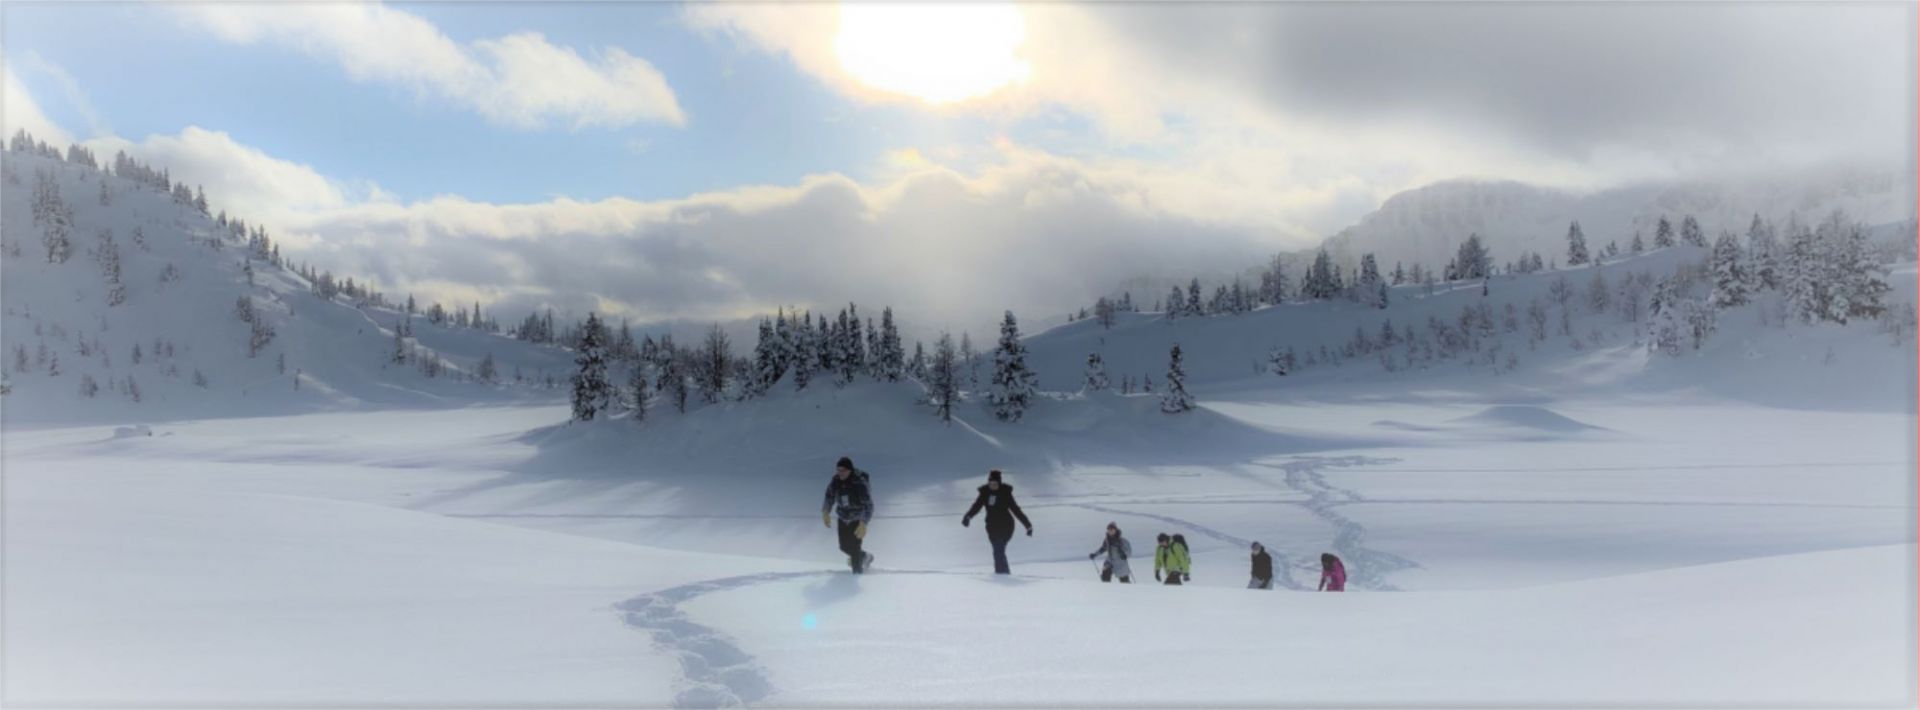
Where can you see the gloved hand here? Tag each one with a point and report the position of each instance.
(826, 518)
(1092, 555)
(860, 531)
(1029, 531)
(1184, 577)
(966, 522)
(1156, 576)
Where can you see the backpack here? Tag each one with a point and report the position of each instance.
(1181, 540)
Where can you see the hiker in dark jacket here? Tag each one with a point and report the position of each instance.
(1262, 569)
(997, 499)
(849, 495)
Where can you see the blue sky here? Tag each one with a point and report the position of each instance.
(300, 109)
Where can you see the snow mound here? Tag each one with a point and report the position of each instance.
(886, 427)
(1529, 417)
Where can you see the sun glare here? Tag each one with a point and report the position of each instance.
(937, 53)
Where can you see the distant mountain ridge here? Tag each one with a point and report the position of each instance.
(1427, 224)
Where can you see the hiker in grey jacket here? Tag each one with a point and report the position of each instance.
(1117, 550)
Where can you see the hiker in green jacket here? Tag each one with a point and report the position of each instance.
(1171, 556)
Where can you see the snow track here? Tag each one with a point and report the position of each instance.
(1367, 568)
(718, 673)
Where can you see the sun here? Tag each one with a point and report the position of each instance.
(937, 53)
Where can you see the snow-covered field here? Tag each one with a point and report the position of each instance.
(456, 557)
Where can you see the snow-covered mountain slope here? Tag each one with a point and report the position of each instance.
(183, 276)
(1752, 355)
(1425, 225)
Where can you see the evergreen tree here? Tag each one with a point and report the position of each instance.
(1639, 245)
(716, 362)
(1663, 234)
(1322, 281)
(970, 360)
(489, 371)
(1176, 400)
(1731, 280)
(1804, 275)
(917, 367)
(1599, 294)
(1576, 245)
(1371, 288)
(1473, 260)
(856, 346)
(638, 396)
(674, 378)
(399, 354)
(1666, 325)
(1096, 374)
(805, 358)
(1852, 281)
(591, 391)
(766, 361)
(1690, 232)
(624, 348)
(1195, 307)
(826, 346)
(1762, 251)
(1013, 383)
(943, 378)
(891, 357)
(1176, 304)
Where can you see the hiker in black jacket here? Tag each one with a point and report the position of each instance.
(997, 499)
(848, 494)
(1262, 569)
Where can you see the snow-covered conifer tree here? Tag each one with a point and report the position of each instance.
(591, 391)
(1731, 279)
(1576, 245)
(1013, 383)
(1690, 232)
(1096, 374)
(1663, 234)
(943, 377)
(1176, 400)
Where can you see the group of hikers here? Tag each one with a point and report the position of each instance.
(850, 499)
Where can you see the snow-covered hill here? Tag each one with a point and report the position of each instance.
(1426, 224)
(1753, 354)
(182, 276)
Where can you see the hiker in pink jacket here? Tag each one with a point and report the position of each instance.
(1333, 575)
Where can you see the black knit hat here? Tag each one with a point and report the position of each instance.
(845, 463)
(993, 475)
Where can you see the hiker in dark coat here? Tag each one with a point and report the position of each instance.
(1262, 569)
(849, 495)
(997, 499)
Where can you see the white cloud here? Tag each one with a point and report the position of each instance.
(519, 80)
(1031, 231)
(1305, 116)
(237, 177)
(21, 112)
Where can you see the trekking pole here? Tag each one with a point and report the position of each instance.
(1097, 569)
